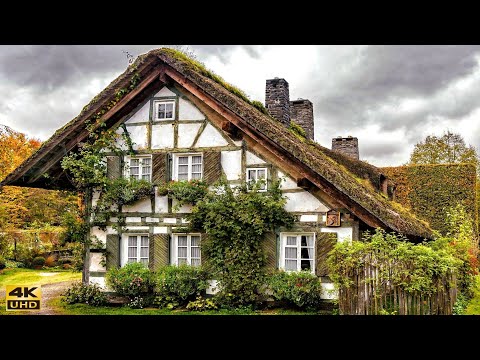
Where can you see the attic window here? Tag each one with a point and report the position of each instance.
(164, 110)
(257, 174)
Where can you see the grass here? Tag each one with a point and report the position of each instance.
(82, 309)
(473, 307)
(20, 276)
(33, 277)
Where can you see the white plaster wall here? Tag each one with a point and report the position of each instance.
(303, 201)
(253, 159)
(99, 280)
(162, 136)
(344, 233)
(170, 220)
(144, 205)
(161, 203)
(141, 115)
(187, 208)
(95, 259)
(133, 219)
(186, 134)
(232, 164)
(309, 218)
(111, 230)
(95, 197)
(160, 230)
(211, 137)
(329, 291)
(188, 111)
(100, 234)
(138, 229)
(152, 219)
(119, 142)
(138, 134)
(212, 288)
(287, 183)
(165, 92)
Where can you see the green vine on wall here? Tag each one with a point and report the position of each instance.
(235, 221)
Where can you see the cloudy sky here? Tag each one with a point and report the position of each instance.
(390, 97)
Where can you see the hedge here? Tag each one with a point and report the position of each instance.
(428, 190)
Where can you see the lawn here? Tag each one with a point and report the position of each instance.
(36, 277)
(473, 307)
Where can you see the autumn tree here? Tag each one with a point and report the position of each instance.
(450, 148)
(22, 207)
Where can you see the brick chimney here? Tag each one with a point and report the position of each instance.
(301, 112)
(346, 145)
(277, 100)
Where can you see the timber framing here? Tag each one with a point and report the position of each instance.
(351, 184)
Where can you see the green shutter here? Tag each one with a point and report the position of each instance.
(269, 246)
(113, 251)
(114, 167)
(159, 168)
(325, 242)
(203, 256)
(159, 248)
(212, 166)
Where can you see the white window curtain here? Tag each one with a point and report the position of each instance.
(298, 252)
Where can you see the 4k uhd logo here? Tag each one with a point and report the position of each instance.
(23, 297)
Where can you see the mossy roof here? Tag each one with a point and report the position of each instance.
(346, 175)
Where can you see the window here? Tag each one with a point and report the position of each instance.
(298, 252)
(188, 167)
(164, 110)
(256, 174)
(140, 168)
(137, 249)
(186, 249)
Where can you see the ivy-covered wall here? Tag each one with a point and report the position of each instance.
(428, 190)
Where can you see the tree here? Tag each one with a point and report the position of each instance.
(449, 148)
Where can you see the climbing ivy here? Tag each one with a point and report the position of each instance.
(235, 221)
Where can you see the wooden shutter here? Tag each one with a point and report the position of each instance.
(325, 242)
(114, 167)
(269, 246)
(159, 168)
(113, 251)
(212, 166)
(203, 256)
(159, 248)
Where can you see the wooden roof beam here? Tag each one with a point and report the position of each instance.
(67, 146)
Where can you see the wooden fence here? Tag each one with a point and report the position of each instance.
(375, 291)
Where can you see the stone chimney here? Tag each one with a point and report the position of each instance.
(277, 100)
(301, 112)
(346, 145)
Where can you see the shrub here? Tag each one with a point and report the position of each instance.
(50, 261)
(79, 293)
(202, 304)
(132, 280)
(77, 254)
(3, 264)
(38, 261)
(301, 289)
(25, 254)
(177, 285)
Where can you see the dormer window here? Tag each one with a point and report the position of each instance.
(164, 110)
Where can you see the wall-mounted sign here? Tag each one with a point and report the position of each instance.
(333, 218)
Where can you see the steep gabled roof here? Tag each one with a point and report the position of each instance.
(335, 174)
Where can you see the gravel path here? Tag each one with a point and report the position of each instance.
(49, 292)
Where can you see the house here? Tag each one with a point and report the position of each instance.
(187, 124)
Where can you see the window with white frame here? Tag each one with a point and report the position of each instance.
(186, 249)
(140, 168)
(257, 174)
(164, 110)
(137, 249)
(187, 166)
(298, 251)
